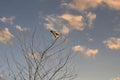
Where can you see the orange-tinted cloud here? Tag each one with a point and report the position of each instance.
(87, 51)
(7, 20)
(82, 5)
(18, 27)
(65, 30)
(112, 43)
(113, 4)
(90, 52)
(64, 23)
(91, 17)
(78, 48)
(117, 78)
(53, 22)
(67, 22)
(5, 35)
(49, 26)
(75, 21)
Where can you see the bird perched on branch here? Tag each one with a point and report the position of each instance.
(55, 33)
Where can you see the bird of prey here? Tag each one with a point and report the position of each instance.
(55, 33)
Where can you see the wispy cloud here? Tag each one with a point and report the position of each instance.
(90, 39)
(49, 26)
(65, 30)
(78, 48)
(56, 23)
(83, 5)
(53, 22)
(20, 28)
(112, 43)
(90, 18)
(90, 52)
(113, 4)
(7, 20)
(117, 78)
(5, 35)
(75, 21)
(87, 51)
(65, 22)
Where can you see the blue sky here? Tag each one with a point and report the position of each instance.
(91, 27)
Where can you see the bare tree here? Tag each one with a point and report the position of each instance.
(50, 63)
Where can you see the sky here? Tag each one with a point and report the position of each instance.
(91, 27)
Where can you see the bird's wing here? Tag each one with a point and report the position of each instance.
(55, 33)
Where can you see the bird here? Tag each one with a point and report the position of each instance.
(55, 33)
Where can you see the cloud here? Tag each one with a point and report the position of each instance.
(90, 52)
(67, 22)
(90, 17)
(75, 21)
(82, 5)
(87, 51)
(7, 20)
(90, 39)
(117, 78)
(53, 22)
(66, 19)
(112, 43)
(49, 26)
(64, 23)
(78, 48)
(65, 30)
(18, 27)
(113, 4)
(5, 35)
